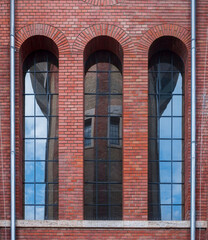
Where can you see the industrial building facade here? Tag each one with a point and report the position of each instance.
(103, 119)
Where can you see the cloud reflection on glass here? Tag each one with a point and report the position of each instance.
(40, 137)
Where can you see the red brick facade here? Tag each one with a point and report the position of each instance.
(65, 27)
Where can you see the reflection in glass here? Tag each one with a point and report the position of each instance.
(102, 137)
(165, 147)
(41, 136)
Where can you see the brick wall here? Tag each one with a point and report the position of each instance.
(65, 28)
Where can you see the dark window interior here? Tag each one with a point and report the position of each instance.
(103, 160)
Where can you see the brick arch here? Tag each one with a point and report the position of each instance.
(43, 30)
(101, 2)
(164, 30)
(103, 30)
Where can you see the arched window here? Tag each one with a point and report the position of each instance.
(40, 71)
(166, 137)
(103, 137)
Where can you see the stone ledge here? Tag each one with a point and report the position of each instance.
(101, 224)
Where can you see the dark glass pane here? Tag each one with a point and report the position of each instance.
(29, 105)
(41, 82)
(102, 193)
(52, 171)
(116, 82)
(41, 105)
(53, 107)
(103, 171)
(41, 62)
(90, 194)
(165, 61)
(115, 169)
(116, 212)
(90, 212)
(114, 132)
(116, 194)
(152, 127)
(88, 132)
(101, 127)
(90, 104)
(53, 82)
(52, 213)
(153, 153)
(90, 171)
(52, 149)
(153, 105)
(165, 83)
(102, 82)
(153, 84)
(53, 127)
(102, 213)
(115, 153)
(154, 193)
(90, 82)
(102, 105)
(115, 104)
(52, 194)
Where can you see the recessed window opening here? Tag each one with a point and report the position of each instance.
(166, 137)
(103, 161)
(40, 95)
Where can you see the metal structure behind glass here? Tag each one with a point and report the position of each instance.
(166, 137)
(103, 140)
(40, 136)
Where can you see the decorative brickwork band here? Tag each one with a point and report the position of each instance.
(101, 2)
(164, 30)
(103, 30)
(44, 30)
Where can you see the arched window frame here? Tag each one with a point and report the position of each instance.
(40, 97)
(162, 176)
(113, 140)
